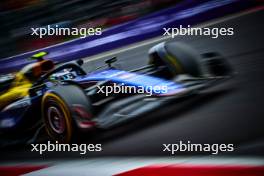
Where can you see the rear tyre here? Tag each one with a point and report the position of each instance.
(57, 113)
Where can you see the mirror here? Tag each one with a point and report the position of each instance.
(80, 62)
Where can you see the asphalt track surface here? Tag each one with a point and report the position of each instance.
(229, 113)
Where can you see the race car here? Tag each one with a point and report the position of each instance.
(69, 100)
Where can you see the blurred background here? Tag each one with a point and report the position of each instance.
(17, 17)
(230, 113)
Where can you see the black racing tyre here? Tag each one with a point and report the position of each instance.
(57, 112)
(217, 65)
(178, 58)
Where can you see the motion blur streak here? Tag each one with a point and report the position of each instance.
(18, 17)
(161, 166)
(212, 118)
(175, 170)
(19, 169)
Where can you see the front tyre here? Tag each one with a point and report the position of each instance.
(177, 58)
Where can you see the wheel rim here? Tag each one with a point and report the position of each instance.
(56, 119)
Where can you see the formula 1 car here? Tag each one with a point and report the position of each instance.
(68, 100)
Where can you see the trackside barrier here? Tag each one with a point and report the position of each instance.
(189, 12)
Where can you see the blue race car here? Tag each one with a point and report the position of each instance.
(68, 100)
